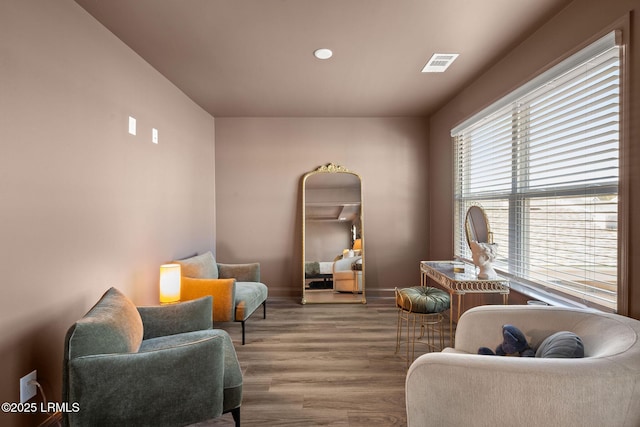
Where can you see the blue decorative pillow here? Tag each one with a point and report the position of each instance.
(563, 344)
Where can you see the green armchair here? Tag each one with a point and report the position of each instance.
(149, 366)
(236, 288)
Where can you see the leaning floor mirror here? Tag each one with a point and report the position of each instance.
(332, 236)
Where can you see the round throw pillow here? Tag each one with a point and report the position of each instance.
(563, 344)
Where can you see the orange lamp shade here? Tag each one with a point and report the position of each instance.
(169, 283)
(357, 244)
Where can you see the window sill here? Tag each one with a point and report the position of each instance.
(546, 297)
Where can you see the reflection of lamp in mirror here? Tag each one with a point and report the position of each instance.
(357, 245)
(169, 283)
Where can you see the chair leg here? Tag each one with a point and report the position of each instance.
(243, 332)
(398, 332)
(236, 416)
(264, 316)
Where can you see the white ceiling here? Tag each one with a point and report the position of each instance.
(240, 58)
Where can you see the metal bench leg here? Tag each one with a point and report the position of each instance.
(236, 416)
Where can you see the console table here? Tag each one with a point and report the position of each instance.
(460, 283)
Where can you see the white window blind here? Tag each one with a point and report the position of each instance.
(544, 164)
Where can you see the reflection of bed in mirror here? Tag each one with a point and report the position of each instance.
(343, 275)
(318, 274)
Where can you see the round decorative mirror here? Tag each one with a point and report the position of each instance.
(477, 226)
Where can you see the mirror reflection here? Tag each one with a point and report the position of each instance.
(332, 235)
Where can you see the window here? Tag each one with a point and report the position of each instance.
(543, 162)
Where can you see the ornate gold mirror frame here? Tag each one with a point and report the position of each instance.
(332, 236)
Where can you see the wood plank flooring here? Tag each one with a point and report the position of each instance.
(320, 365)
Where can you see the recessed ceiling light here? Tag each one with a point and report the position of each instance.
(323, 53)
(439, 62)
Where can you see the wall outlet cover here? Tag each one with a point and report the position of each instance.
(27, 391)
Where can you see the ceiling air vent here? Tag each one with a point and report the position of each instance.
(439, 62)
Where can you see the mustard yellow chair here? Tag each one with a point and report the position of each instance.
(236, 288)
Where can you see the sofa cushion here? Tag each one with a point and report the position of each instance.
(171, 341)
(563, 344)
(113, 325)
(249, 296)
(199, 267)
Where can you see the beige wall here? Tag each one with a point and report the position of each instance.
(571, 29)
(324, 241)
(259, 166)
(85, 205)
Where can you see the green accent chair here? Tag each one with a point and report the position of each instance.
(236, 288)
(149, 366)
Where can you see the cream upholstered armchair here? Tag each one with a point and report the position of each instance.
(236, 288)
(345, 276)
(458, 387)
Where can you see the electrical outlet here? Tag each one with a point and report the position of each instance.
(27, 391)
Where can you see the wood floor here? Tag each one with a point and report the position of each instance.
(320, 365)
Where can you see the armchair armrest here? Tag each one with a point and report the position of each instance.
(161, 387)
(223, 292)
(240, 272)
(345, 264)
(177, 318)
